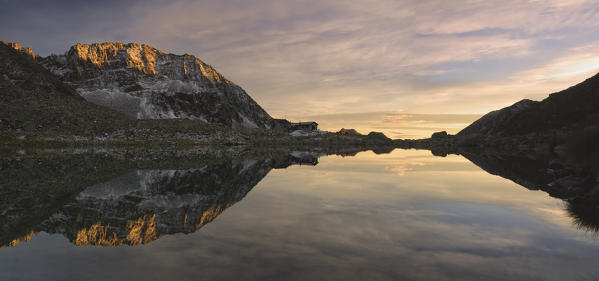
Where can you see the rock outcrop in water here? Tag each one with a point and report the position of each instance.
(146, 83)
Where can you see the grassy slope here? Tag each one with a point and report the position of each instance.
(34, 100)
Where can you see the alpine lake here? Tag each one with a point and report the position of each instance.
(225, 214)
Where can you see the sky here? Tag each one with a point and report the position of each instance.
(404, 63)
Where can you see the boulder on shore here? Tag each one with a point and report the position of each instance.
(349, 132)
(377, 137)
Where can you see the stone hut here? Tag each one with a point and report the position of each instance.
(304, 126)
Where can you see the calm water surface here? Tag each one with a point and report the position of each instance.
(406, 215)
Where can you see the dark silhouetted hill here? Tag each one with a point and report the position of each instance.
(573, 109)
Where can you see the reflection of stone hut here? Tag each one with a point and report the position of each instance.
(310, 161)
(304, 126)
(304, 158)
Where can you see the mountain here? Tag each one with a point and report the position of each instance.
(33, 99)
(146, 83)
(572, 109)
(492, 121)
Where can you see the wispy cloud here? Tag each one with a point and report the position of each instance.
(332, 56)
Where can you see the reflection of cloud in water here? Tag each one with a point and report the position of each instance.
(355, 234)
(357, 240)
(451, 178)
(401, 168)
(351, 218)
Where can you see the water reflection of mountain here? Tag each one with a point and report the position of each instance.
(525, 169)
(112, 198)
(141, 205)
(560, 176)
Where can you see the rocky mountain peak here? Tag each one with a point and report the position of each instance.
(147, 83)
(22, 49)
(139, 56)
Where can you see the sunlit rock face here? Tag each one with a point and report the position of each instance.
(20, 48)
(146, 83)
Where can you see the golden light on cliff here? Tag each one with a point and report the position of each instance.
(18, 241)
(142, 57)
(150, 234)
(142, 230)
(210, 214)
(100, 235)
(136, 233)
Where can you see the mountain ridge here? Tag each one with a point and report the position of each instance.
(572, 109)
(489, 122)
(147, 83)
